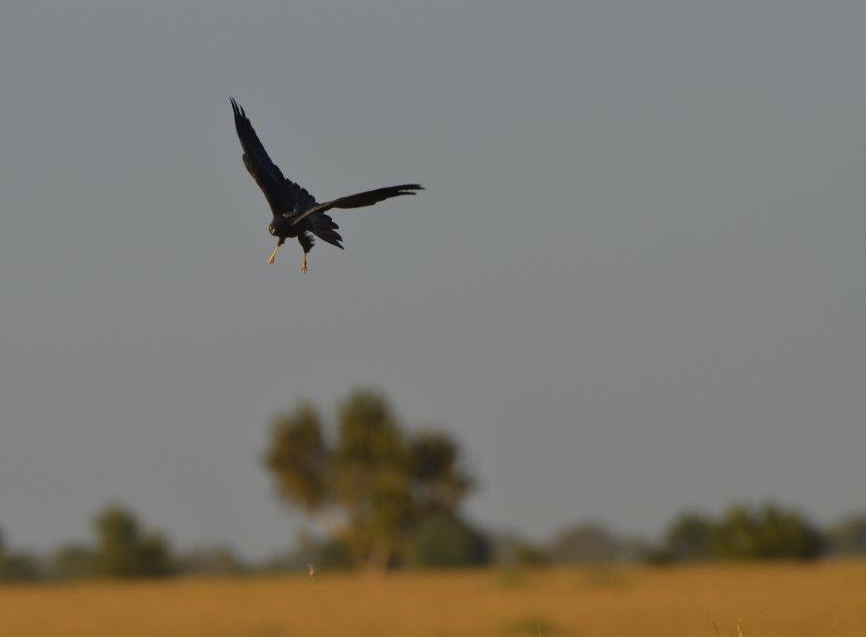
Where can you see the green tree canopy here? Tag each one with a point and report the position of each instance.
(690, 537)
(299, 458)
(18, 567)
(767, 532)
(441, 540)
(438, 480)
(125, 551)
(849, 536)
(372, 476)
(72, 562)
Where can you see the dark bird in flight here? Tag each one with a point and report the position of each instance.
(296, 213)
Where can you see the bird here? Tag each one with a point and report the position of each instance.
(296, 213)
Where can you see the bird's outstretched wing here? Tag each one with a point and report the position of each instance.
(301, 199)
(359, 200)
(263, 170)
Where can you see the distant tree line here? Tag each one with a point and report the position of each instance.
(742, 533)
(382, 497)
(124, 549)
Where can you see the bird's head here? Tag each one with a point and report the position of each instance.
(272, 229)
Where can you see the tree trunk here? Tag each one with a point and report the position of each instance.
(378, 558)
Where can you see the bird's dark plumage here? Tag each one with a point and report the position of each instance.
(295, 211)
(359, 200)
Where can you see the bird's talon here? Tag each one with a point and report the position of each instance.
(273, 256)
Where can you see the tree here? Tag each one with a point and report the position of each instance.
(72, 562)
(591, 543)
(768, 532)
(511, 550)
(443, 541)
(333, 555)
(18, 567)
(212, 560)
(372, 483)
(849, 536)
(439, 482)
(690, 537)
(371, 478)
(299, 458)
(124, 551)
(583, 543)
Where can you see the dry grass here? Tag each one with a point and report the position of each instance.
(748, 601)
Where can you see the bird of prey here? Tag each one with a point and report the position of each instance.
(295, 211)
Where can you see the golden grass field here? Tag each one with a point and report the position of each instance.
(821, 599)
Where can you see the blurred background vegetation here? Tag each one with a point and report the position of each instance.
(380, 496)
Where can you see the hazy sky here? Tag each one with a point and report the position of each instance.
(636, 281)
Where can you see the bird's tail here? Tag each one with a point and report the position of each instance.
(324, 227)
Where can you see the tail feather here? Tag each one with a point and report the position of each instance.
(325, 228)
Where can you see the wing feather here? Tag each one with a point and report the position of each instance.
(264, 171)
(359, 200)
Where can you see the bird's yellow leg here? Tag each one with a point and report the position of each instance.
(305, 266)
(273, 256)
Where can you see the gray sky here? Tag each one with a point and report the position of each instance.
(634, 284)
